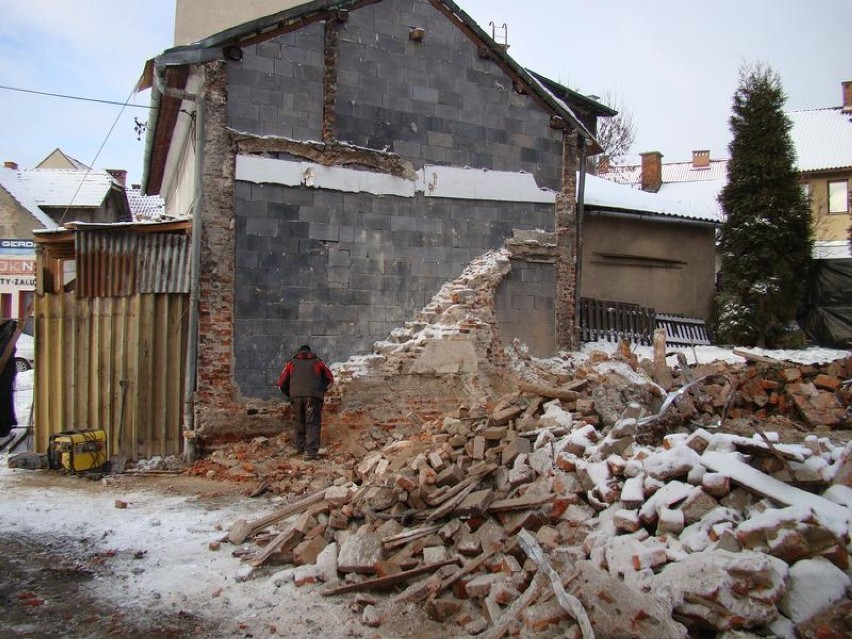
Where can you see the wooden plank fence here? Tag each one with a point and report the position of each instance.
(601, 320)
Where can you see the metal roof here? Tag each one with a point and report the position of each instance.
(68, 187)
(11, 182)
(823, 139)
(145, 208)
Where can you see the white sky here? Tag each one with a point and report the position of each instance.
(674, 64)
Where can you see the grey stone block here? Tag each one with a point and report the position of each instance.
(424, 94)
(325, 232)
(262, 226)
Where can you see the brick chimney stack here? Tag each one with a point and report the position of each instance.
(652, 171)
(847, 96)
(119, 175)
(701, 159)
(11, 165)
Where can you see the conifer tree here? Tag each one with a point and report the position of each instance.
(766, 240)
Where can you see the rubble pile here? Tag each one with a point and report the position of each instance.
(583, 495)
(559, 510)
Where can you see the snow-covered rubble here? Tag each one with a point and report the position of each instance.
(705, 524)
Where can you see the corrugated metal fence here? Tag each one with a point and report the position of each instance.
(111, 354)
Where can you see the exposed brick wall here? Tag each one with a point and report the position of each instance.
(567, 337)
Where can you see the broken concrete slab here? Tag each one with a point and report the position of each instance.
(724, 590)
(360, 551)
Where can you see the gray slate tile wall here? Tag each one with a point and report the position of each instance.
(277, 88)
(341, 270)
(524, 306)
(436, 101)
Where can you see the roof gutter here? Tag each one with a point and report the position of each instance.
(646, 216)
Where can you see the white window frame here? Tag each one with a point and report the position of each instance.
(838, 201)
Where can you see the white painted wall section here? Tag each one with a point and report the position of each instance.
(481, 184)
(289, 173)
(432, 181)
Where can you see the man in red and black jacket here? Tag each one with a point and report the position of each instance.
(304, 381)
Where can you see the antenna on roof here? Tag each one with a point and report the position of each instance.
(500, 34)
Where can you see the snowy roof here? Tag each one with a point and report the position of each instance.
(67, 187)
(11, 182)
(605, 194)
(698, 195)
(672, 172)
(145, 207)
(823, 139)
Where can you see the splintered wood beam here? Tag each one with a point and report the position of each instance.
(404, 537)
(241, 529)
(382, 583)
(272, 547)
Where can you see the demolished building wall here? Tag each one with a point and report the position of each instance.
(329, 190)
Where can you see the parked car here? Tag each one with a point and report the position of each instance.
(24, 352)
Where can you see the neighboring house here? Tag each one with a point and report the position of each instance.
(20, 215)
(823, 142)
(649, 249)
(354, 157)
(696, 183)
(73, 195)
(59, 190)
(58, 159)
(823, 139)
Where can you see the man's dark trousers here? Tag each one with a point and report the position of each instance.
(308, 413)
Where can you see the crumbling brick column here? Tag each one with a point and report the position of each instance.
(215, 387)
(329, 81)
(566, 243)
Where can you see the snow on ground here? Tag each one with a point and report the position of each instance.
(709, 354)
(162, 557)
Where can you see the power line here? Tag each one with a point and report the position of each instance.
(101, 148)
(76, 97)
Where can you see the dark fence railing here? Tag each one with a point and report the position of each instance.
(602, 320)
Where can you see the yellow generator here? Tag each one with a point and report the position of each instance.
(77, 450)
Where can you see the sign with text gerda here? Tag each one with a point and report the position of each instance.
(12, 246)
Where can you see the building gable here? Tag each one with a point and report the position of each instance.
(302, 31)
